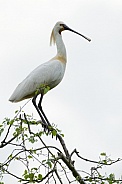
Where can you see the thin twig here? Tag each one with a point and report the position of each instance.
(96, 162)
(3, 142)
(58, 176)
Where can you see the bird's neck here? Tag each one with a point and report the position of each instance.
(61, 50)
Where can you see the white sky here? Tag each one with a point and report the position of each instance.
(87, 105)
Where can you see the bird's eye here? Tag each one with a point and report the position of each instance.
(61, 24)
(61, 28)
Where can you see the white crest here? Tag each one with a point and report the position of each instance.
(52, 38)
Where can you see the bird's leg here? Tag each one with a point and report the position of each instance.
(41, 116)
(40, 108)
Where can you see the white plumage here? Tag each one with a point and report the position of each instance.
(49, 73)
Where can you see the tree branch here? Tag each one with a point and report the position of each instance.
(96, 162)
(71, 168)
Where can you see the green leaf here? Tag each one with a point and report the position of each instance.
(54, 132)
(25, 172)
(103, 154)
(34, 169)
(10, 156)
(31, 176)
(40, 177)
(40, 133)
(16, 111)
(1, 130)
(29, 156)
(43, 161)
(32, 139)
(11, 122)
(26, 175)
(104, 161)
(46, 89)
(62, 135)
(49, 164)
(90, 179)
(112, 176)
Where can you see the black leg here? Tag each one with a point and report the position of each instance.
(41, 116)
(40, 107)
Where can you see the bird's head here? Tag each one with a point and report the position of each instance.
(59, 27)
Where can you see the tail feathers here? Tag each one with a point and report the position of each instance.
(13, 100)
(19, 98)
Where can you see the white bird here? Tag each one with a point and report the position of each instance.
(48, 74)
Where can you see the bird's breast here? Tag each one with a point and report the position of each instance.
(55, 73)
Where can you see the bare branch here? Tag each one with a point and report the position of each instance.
(72, 169)
(63, 145)
(58, 176)
(96, 162)
(3, 143)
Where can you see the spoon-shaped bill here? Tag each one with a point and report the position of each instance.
(67, 28)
